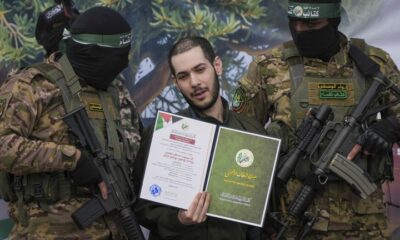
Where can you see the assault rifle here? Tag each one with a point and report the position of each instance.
(309, 133)
(333, 159)
(121, 195)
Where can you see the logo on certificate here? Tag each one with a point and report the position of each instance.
(244, 158)
(185, 126)
(155, 190)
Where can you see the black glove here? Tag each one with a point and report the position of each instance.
(380, 136)
(86, 173)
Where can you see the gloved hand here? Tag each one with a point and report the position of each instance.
(380, 136)
(86, 173)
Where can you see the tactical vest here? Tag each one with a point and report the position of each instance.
(312, 85)
(102, 110)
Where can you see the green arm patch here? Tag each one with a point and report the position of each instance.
(4, 100)
(239, 100)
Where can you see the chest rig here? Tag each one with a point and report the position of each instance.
(314, 82)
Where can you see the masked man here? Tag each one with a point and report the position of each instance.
(46, 173)
(282, 84)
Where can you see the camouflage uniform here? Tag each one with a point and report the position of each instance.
(37, 144)
(268, 92)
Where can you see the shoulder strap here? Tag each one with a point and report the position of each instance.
(65, 79)
(295, 61)
(72, 86)
(290, 53)
(359, 43)
(369, 50)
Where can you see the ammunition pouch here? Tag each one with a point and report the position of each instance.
(41, 187)
(6, 188)
(46, 188)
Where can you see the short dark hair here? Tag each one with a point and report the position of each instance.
(187, 43)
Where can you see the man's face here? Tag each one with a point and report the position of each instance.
(197, 78)
(308, 25)
(315, 38)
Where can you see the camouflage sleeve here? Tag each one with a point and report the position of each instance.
(263, 92)
(25, 148)
(250, 98)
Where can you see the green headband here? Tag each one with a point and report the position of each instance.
(112, 41)
(313, 10)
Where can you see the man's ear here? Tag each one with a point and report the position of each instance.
(218, 65)
(173, 78)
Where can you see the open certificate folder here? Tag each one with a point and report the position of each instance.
(188, 156)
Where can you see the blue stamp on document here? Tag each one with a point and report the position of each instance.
(155, 190)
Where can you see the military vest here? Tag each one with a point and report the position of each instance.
(102, 108)
(314, 83)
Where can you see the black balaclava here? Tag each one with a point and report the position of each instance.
(99, 46)
(322, 43)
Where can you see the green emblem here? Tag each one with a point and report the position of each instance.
(239, 100)
(333, 91)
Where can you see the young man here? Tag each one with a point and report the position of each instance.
(195, 69)
(45, 169)
(290, 78)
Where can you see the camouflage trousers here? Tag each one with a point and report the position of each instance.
(56, 223)
(342, 214)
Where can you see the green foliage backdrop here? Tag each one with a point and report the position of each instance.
(238, 29)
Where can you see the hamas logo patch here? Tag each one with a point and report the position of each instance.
(298, 11)
(239, 100)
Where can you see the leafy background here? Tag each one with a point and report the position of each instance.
(238, 29)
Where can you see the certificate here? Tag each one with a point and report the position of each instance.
(188, 156)
(241, 175)
(178, 159)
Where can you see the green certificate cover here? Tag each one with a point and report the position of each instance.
(241, 175)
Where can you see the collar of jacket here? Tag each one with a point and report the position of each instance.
(201, 116)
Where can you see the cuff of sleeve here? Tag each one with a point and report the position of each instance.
(177, 224)
(68, 156)
(174, 224)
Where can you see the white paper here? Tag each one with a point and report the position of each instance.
(178, 159)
